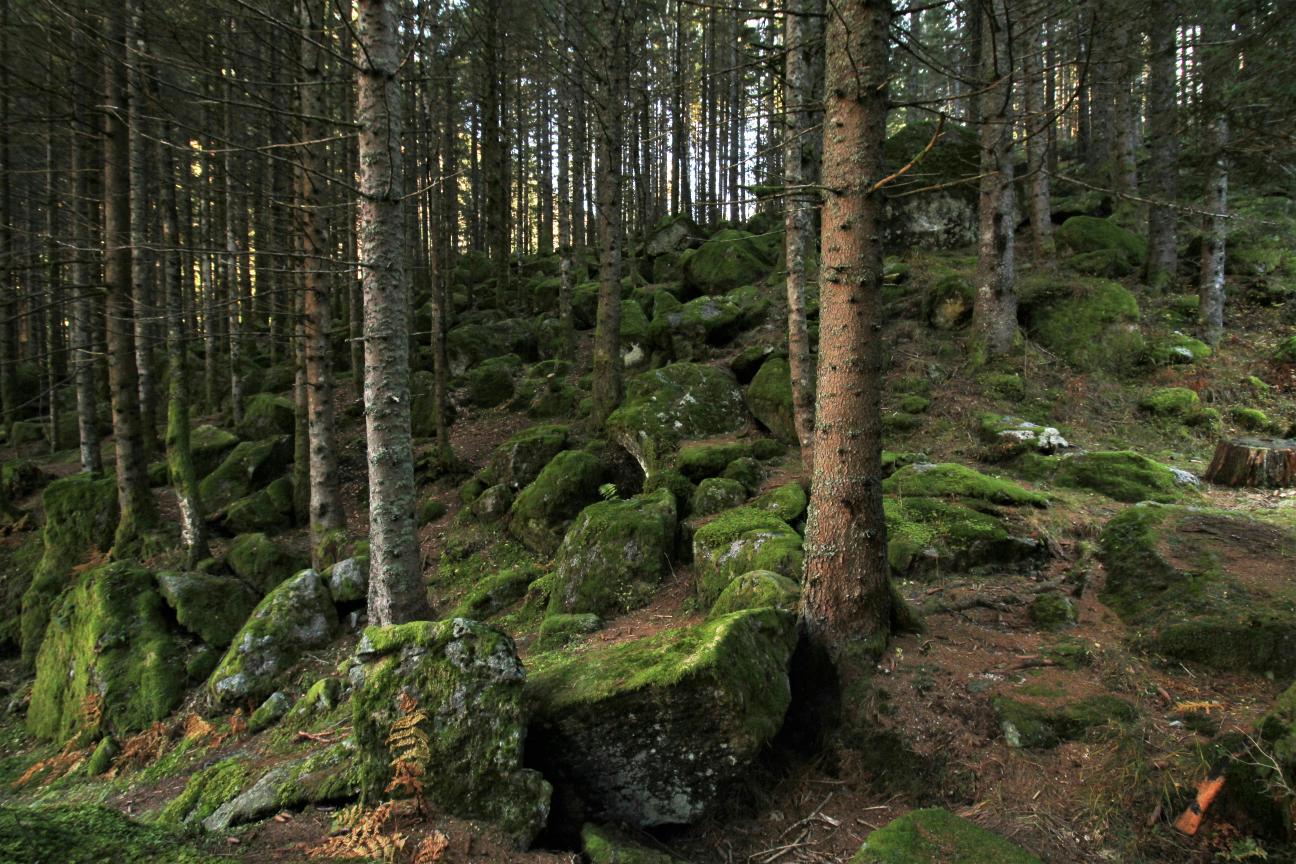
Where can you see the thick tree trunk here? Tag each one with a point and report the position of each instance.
(83, 306)
(799, 94)
(1163, 146)
(1124, 130)
(396, 589)
(140, 252)
(326, 514)
(1254, 462)
(1214, 232)
(846, 600)
(995, 315)
(1037, 125)
(138, 512)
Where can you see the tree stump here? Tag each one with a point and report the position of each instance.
(1263, 462)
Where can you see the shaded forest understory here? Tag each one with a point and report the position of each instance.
(650, 433)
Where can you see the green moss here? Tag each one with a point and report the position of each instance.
(491, 382)
(728, 260)
(107, 635)
(80, 517)
(520, 459)
(716, 494)
(676, 483)
(266, 415)
(495, 593)
(17, 567)
(1177, 402)
(1252, 419)
(101, 759)
(83, 834)
(936, 836)
(559, 629)
(739, 541)
(948, 479)
(1286, 351)
(788, 502)
(615, 555)
(700, 461)
(756, 590)
(1052, 611)
(260, 561)
(931, 533)
(1092, 234)
(540, 513)
(269, 509)
(206, 791)
(1123, 475)
(1028, 724)
(210, 606)
(209, 446)
(1089, 323)
(913, 404)
(605, 846)
(947, 302)
(249, 467)
(430, 511)
(769, 397)
(1177, 348)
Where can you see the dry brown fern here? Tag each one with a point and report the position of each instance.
(410, 749)
(196, 728)
(366, 838)
(432, 848)
(238, 723)
(60, 765)
(143, 749)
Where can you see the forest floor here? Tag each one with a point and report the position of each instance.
(1108, 796)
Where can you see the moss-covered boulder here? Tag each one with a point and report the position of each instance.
(211, 606)
(700, 461)
(739, 541)
(1052, 610)
(615, 555)
(937, 836)
(1126, 476)
(206, 791)
(747, 471)
(702, 701)
(951, 480)
(788, 502)
(605, 845)
(938, 211)
(323, 776)
(673, 404)
(108, 637)
(210, 445)
(1176, 348)
(717, 494)
(261, 562)
(728, 260)
(464, 682)
(931, 537)
(470, 344)
(1088, 234)
(947, 303)
(1204, 585)
(1177, 403)
(496, 592)
(266, 416)
(769, 397)
(269, 509)
(673, 234)
(520, 459)
(541, 512)
(250, 466)
(1048, 721)
(757, 590)
(682, 331)
(295, 617)
(1091, 324)
(348, 579)
(80, 518)
(1008, 437)
(491, 382)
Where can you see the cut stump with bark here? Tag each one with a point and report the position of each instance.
(1262, 462)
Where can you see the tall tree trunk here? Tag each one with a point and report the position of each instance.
(566, 284)
(1037, 125)
(396, 589)
(995, 315)
(614, 68)
(845, 606)
(8, 290)
(1219, 65)
(799, 94)
(326, 514)
(1124, 139)
(141, 255)
(138, 512)
(83, 278)
(1163, 146)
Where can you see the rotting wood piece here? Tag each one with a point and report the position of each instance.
(1262, 462)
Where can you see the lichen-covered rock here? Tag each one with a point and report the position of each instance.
(1125, 476)
(675, 403)
(348, 579)
(295, 617)
(648, 732)
(717, 494)
(260, 561)
(467, 683)
(205, 792)
(937, 836)
(605, 846)
(615, 555)
(928, 537)
(757, 590)
(769, 397)
(700, 461)
(209, 446)
(266, 416)
(492, 504)
(1089, 323)
(682, 330)
(80, 518)
(739, 541)
(323, 776)
(270, 712)
(746, 471)
(250, 466)
(472, 343)
(540, 513)
(495, 593)
(521, 458)
(788, 502)
(728, 260)
(107, 635)
(1048, 722)
(269, 509)
(951, 480)
(1007, 437)
(1205, 586)
(673, 234)
(210, 606)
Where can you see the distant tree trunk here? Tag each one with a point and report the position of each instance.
(1221, 67)
(611, 108)
(138, 512)
(493, 152)
(85, 285)
(8, 308)
(141, 255)
(1037, 125)
(846, 601)
(1124, 140)
(232, 293)
(995, 317)
(566, 285)
(447, 211)
(799, 93)
(396, 589)
(180, 464)
(1163, 146)
(326, 514)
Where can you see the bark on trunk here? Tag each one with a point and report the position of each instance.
(1254, 462)
(1163, 147)
(1037, 126)
(140, 252)
(396, 589)
(83, 307)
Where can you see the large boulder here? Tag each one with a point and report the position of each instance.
(80, 518)
(933, 209)
(1205, 586)
(469, 344)
(739, 541)
(615, 555)
(464, 684)
(520, 459)
(930, 537)
(769, 397)
(210, 606)
(673, 234)
(323, 776)
(107, 639)
(1089, 323)
(648, 732)
(294, 618)
(265, 416)
(540, 513)
(1102, 245)
(673, 404)
(681, 330)
(729, 260)
(1126, 476)
(209, 446)
(951, 480)
(269, 509)
(937, 836)
(261, 562)
(250, 466)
